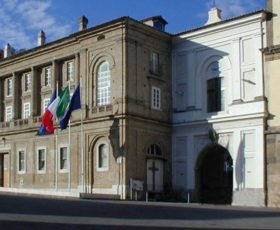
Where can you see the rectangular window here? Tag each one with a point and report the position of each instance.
(103, 84)
(26, 110)
(21, 161)
(9, 86)
(9, 113)
(48, 76)
(41, 164)
(27, 82)
(70, 71)
(63, 158)
(156, 98)
(103, 157)
(154, 63)
(215, 94)
(46, 102)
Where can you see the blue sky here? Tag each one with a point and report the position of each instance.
(21, 20)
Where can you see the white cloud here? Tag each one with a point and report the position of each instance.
(231, 8)
(34, 13)
(12, 31)
(20, 22)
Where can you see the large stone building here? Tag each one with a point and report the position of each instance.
(272, 82)
(219, 110)
(185, 112)
(123, 129)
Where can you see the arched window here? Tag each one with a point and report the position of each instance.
(215, 88)
(154, 150)
(103, 84)
(103, 156)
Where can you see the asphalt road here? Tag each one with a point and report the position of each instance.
(26, 212)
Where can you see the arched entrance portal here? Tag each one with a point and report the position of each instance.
(214, 175)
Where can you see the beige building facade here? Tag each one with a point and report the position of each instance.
(272, 82)
(122, 131)
(145, 120)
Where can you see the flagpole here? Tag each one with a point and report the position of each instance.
(56, 150)
(69, 173)
(56, 161)
(69, 148)
(82, 144)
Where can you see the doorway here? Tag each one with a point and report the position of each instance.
(4, 170)
(155, 175)
(214, 176)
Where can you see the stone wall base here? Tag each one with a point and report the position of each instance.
(249, 197)
(42, 192)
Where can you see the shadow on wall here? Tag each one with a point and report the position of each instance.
(114, 137)
(240, 166)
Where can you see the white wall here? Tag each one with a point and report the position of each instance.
(236, 45)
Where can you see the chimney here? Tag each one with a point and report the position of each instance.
(83, 21)
(8, 50)
(214, 15)
(157, 22)
(41, 40)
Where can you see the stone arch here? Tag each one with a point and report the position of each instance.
(159, 143)
(206, 61)
(95, 62)
(99, 58)
(201, 82)
(213, 175)
(155, 166)
(92, 157)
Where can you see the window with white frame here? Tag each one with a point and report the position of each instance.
(48, 76)
(27, 82)
(9, 86)
(154, 62)
(70, 71)
(41, 160)
(9, 113)
(26, 110)
(215, 89)
(103, 84)
(21, 161)
(46, 102)
(156, 98)
(103, 157)
(63, 158)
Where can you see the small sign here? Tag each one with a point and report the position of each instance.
(137, 185)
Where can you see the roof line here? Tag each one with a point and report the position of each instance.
(221, 22)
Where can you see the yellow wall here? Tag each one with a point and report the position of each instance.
(273, 92)
(276, 21)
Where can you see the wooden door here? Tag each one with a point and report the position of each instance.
(4, 170)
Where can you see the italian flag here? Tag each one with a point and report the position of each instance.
(56, 109)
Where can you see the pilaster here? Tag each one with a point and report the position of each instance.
(236, 78)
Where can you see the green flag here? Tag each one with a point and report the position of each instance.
(63, 102)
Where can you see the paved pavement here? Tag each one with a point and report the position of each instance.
(26, 212)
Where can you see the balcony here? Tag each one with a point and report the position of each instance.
(101, 109)
(19, 124)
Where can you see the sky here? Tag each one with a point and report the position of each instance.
(22, 20)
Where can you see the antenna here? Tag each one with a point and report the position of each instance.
(214, 3)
